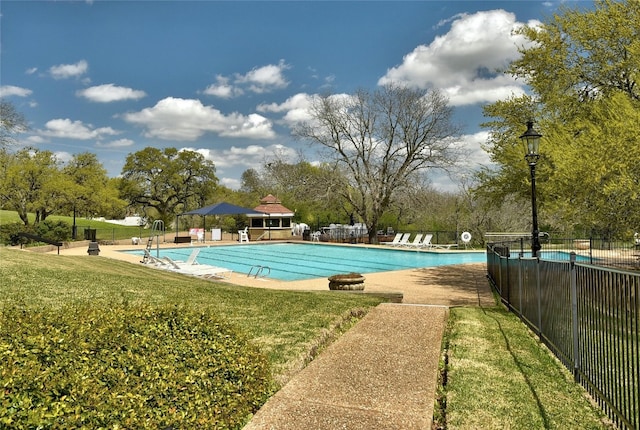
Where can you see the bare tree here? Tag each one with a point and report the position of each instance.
(12, 122)
(382, 141)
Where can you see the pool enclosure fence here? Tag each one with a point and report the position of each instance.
(587, 315)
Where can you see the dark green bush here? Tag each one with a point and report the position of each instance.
(9, 231)
(126, 367)
(54, 230)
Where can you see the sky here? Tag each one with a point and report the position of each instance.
(230, 79)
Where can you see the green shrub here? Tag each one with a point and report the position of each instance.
(9, 233)
(126, 366)
(54, 230)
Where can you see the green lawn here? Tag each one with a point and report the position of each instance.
(501, 377)
(284, 324)
(105, 230)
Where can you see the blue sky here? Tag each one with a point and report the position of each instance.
(230, 78)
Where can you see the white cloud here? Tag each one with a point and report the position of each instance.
(223, 89)
(63, 156)
(11, 90)
(296, 108)
(65, 128)
(31, 70)
(110, 93)
(64, 71)
(248, 157)
(188, 119)
(473, 147)
(259, 80)
(266, 78)
(465, 63)
(119, 143)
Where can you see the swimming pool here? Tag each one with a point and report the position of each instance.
(293, 261)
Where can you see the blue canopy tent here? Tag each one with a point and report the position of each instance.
(222, 208)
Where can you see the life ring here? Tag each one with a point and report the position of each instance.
(466, 237)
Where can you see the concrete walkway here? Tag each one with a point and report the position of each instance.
(382, 374)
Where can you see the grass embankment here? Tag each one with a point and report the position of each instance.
(284, 326)
(104, 230)
(499, 376)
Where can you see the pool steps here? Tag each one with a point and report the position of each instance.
(259, 271)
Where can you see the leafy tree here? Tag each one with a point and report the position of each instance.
(382, 142)
(32, 183)
(582, 67)
(91, 191)
(11, 123)
(168, 180)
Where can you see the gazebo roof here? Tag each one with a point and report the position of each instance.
(271, 205)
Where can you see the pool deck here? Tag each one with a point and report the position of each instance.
(383, 372)
(418, 286)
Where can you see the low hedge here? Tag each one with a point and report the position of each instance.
(126, 366)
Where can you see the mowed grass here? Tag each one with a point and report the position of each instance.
(105, 230)
(501, 377)
(285, 325)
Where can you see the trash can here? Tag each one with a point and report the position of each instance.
(306, 234)
(94, 249)
(90, 234)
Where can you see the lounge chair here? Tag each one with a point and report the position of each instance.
(404, 240)
(206, 271)
(150, 259)
(192, 258)
(202, 270)
(426, 242)
(394, 241)
(416, 241)
(446, 245)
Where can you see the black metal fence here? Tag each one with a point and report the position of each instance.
(587, 315)
(595, 251)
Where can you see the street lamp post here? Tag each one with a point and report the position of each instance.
(531, 139)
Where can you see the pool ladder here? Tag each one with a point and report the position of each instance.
(259, 271)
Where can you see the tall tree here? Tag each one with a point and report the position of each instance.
(90, 192)
(301, 186)
(32, 183)
(382, 141)
(168, 180)
(582, 67)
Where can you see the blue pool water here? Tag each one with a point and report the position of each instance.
(551, 255)
(292, 261)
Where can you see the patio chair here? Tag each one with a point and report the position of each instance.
(394, 241)
(201, 270)
(416, 241)
(426, 242)
(192, 258)
(150, 259)
(446, 245)
(243, 235)
(404, 240)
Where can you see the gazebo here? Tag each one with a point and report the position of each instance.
(274, 222)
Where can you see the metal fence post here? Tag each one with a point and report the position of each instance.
(539, 293)
(520, 284)
(574, 317)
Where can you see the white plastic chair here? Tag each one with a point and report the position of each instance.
(243, 235)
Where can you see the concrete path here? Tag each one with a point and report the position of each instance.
(382, 374)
